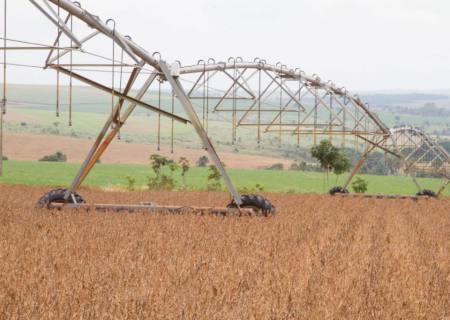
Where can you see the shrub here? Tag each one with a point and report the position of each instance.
(56, 157)
(276, 166)
(184, 164)
(341, 164)
(202, 161)
(294, 166)
(255, 189)
(161, 181)
(5, 158)
(302, 165)
(214, 176)
(131, 183)
(359, 185)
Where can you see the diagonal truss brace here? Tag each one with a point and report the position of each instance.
(119, 94)
(58, 23)
(186, 103)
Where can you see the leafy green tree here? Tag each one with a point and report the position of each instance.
(330, 158)
(326, 154)
(341, 165)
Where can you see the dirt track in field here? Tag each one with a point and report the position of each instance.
(33, 147)
(319, 258)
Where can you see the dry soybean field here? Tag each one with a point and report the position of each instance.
(318, 258)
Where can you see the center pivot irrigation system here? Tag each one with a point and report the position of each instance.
(272, 99)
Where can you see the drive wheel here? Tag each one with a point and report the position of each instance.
(258, 203)
(57, 196)
(426, 193)
(335, 190)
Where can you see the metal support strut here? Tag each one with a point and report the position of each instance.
(358, 166)
(193, 117)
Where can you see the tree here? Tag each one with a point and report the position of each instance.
(202, 161)
(341, 165)
(326, 154)
(330, 158)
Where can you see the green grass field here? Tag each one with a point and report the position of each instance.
(114, 176)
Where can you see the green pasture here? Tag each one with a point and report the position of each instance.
(112, 176)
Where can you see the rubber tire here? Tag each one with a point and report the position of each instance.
(335, 190)
(426, 193)
(255, 202)
(57, 196)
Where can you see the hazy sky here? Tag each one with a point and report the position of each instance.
(360, 44)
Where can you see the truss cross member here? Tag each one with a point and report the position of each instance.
(185, 102)
(101, 144)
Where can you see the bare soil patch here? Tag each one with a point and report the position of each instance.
(33, 147)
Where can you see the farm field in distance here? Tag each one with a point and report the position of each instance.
(113, 176)
(318, 258)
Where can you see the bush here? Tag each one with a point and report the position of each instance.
(161, 181)
(5, 158)
(302, 165)
(202, 161)
(131, 183)
(57, 157)
(257, 188)
(276, 166)
(359, 185)
(185, 166)
(214, 179)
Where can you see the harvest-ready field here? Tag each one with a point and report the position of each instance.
(318, 258)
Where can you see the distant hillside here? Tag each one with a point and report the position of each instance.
(395, 99)
(32, 110)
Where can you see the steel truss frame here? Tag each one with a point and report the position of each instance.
(419, 153)
(272, 98)
(159, 68)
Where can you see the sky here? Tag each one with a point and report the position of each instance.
(364, 45)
